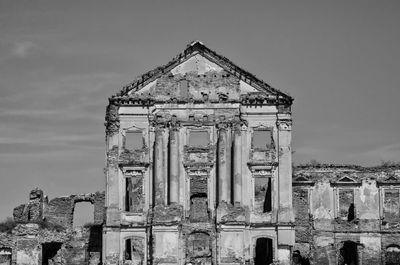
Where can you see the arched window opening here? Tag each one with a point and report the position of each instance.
(83, 214)
(263, 251)
(348, 254)
(392, 255)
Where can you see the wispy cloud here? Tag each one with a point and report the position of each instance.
(23, 49)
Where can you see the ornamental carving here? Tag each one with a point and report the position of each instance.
(284, 125)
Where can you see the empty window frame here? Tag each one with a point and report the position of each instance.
(199, 138)
(134, 250)
(346, 204)
(391, 204)
(134, 199)
(262, 139)
(133, 140)
(263, 194)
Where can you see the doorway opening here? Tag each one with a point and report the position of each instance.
(264, 251)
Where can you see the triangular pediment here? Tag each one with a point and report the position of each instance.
(346, 179)
(301, 178)
(199, 74)
(392, 178)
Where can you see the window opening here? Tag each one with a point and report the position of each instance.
(262, 139)
(263, 194)
(199, 138)
(49, 251)
(392, 255)
(346, 204)
(134, 194)
(5, 256)
(128, 247)
(391, 204)
(348, 254)
(133, 140)
(264, 251)
(134, 250)
(83, 214)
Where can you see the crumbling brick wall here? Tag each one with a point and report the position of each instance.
(33, 210)
(345, 217)
(43, 226)
(61, 210)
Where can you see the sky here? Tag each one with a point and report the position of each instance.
(61, 60)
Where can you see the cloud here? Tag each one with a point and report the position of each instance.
(23, 49)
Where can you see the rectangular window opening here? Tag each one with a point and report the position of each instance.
(346, 204)
(391, 204)
(134, 197)
(262, 139)
(133, 140)
(128, 195)
(199, 138)
(263, 194)
(128, 249)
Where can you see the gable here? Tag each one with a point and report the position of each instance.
(197, 79)
(199, 74)
(346, 179)
(198, 64)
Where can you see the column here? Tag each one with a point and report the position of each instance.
(285, 213)
(174, 165)
(224, 181)
(159, 184)
(237, 166)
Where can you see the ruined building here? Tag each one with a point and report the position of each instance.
(347, 215)
(199, 171)
(199, 166)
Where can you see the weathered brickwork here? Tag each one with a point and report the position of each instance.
(353, 214)
(43, 232)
